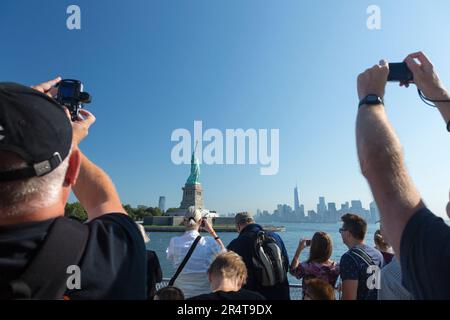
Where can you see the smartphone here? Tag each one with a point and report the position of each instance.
(308, 243)
(399, 72)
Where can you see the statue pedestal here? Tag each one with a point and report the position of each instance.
(192, 196)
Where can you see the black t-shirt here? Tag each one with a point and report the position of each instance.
(231, 295)
(425, 256)
(113, 265)
(154, 273)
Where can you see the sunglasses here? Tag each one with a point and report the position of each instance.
(342, 230)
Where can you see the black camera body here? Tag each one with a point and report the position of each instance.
(399, 72)
(71, 95)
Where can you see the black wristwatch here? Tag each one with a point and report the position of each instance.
(371, 99)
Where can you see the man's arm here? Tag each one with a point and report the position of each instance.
(381, 159)
(427, 80)
(349, 289)
(93, 188)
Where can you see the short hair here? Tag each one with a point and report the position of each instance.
(229, 265)
(192, 217)
(169, 293)
(243, 218)
(321, 247)
(355, 224)
(319, 289)
(22, 196)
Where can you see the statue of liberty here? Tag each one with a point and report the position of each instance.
(195, 169)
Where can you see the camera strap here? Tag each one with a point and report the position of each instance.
(433, 104)
(185, 260)
(428, 100)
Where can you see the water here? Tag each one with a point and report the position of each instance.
(294, 232)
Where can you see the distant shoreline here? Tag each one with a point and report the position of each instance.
(154, 228)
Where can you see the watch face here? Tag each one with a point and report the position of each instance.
(372, 99)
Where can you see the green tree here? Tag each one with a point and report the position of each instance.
(130, 211)
(154, 211)
(76, 211)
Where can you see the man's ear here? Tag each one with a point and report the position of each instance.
(73, 169)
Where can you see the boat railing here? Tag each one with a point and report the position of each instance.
(295, 289)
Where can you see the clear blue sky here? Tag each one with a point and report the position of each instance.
(154, 66)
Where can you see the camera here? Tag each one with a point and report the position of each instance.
(71, 95)
(308, 243)
(399, 72)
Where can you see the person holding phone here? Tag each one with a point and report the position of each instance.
(193, 278)
(319, 265)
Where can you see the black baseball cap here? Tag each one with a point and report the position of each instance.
(34, 126)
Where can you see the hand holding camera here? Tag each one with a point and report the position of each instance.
(303, 244)
(373, 81)
(69, 93)
(425, 77)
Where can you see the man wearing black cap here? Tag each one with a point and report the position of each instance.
(42, 254)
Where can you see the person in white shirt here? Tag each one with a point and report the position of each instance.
(193, 280)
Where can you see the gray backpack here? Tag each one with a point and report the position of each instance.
(268, 260)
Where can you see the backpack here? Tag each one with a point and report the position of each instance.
(45, 276)
(268, 260)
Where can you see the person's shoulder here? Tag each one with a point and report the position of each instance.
(206, 296)
(275, 235)
(113, 222)
(424, 224)
(151, 255)
(113, 218)
(115, 232)
(233, 244)
(251, 295)
(345, 257)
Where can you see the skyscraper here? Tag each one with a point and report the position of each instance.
(162, 204)
(299, 210)
(322, 208)
(296, 201)
(332, 212)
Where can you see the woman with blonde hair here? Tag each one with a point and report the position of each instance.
(193, 278)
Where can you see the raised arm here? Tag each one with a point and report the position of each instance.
(427, 80)
(296, 259)
(93, 188)
(381, 158)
